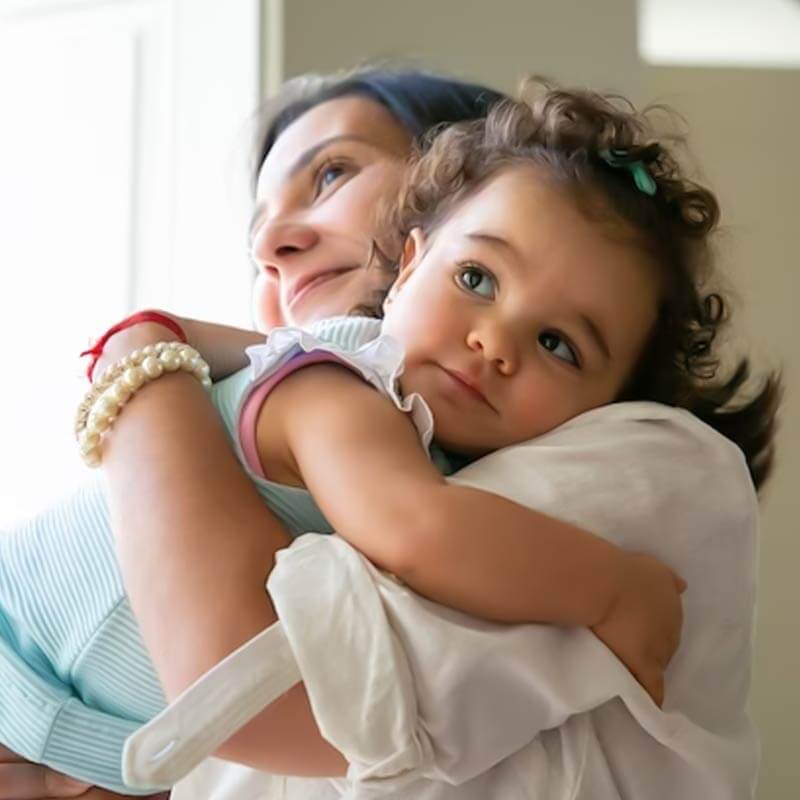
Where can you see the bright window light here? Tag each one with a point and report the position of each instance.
(723, 33)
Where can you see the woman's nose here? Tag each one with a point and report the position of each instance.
(277, 246)
(496, 345)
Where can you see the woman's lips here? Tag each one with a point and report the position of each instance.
(309, 282)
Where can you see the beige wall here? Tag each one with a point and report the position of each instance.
(471, 38)
(745, 129)
(745, 126)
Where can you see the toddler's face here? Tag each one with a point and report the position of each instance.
(518, 313)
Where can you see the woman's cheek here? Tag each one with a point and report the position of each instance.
(266, 306)
(370, 198)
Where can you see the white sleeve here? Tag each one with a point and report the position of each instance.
(407, 689)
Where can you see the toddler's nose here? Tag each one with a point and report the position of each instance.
(496, 346)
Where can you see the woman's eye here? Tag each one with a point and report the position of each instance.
(328, 174)
(477, 280)
(559, 347)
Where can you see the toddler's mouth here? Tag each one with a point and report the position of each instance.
(467, 386)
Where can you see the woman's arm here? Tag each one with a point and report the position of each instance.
(195, 544)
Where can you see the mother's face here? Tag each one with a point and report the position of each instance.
(318, 192)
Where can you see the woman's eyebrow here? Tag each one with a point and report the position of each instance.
(302, 161)
(306, 157)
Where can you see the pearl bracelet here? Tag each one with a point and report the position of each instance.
(115, 387)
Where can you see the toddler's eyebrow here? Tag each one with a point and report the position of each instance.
(491, 238)
(596, 335)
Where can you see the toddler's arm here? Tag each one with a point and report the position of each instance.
(222, 346)
(462, 547)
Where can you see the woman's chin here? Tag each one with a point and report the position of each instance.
(303, 318)
(302, 314)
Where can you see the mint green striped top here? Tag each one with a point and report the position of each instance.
(75, 679)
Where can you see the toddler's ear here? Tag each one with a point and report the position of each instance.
(409, 259)
(412, 250)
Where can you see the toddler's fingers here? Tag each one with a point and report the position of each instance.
(657, 691)
(681, 584)
(653, 683)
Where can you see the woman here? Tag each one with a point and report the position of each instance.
(283, 244)
(374, 123)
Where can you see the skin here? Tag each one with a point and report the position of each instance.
(511, 328)
(311, 220)
(318, 193)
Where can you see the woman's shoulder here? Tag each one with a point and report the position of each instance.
(619, 468)
(644, 428)
(640, 429)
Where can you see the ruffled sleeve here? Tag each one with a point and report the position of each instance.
(378, 361)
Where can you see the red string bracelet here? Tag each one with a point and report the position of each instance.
(134, 319)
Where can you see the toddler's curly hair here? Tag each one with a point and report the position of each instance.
(567, 136)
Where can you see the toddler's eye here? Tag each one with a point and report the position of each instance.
(559, 347)
(477, 280)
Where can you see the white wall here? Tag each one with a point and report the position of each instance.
(745, 126)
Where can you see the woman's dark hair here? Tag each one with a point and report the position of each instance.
(418, 100)
(604, 154)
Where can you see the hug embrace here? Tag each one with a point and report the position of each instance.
(497, 477)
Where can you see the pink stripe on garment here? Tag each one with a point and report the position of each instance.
(252, 405)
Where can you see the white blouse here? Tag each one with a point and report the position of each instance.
(428, 703)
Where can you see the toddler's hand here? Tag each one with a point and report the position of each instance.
(643, 627)
(133, 338)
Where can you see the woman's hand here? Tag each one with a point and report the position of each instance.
(22, 780)
(643, 626)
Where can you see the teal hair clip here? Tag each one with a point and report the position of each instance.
(618, 158)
